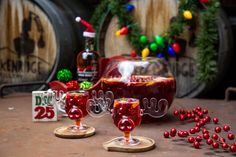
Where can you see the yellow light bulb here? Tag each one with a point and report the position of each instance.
(145, 53)
(187, 15)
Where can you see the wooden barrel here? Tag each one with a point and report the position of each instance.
(154, 17)
(38, 38)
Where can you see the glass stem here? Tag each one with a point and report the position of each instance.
(127, 136)
(78, 122)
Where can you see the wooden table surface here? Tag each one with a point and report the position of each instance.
(20, 137)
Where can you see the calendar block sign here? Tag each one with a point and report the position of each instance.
(44, 106)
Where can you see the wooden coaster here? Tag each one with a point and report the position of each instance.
(146, 144)
(64, 132)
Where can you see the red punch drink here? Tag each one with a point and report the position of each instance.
(126, 108)
(76, 104)
(140, 87)
(75, 107)
(127, 115)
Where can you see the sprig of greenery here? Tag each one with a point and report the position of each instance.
(99, 14)
(206, 43)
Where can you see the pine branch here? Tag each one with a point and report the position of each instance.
(206, 41)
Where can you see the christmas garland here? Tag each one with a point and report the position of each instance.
(167, 44)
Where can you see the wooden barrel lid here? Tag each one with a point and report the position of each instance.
(37, 39)
(27, 42)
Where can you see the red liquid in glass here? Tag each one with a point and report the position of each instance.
(129, 111)
(76, 99)
(140, 87)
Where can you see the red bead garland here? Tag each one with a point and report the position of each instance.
(200, 117)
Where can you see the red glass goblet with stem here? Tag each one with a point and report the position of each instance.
(75, 107)
(127, 115)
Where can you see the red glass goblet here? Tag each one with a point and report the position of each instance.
(75, 107)
(127, 115)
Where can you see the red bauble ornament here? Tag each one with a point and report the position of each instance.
(200, 114)
(215, 145)
(196, 145)
(198, 138)
(191, 139)
(173, 132)
(205, 111)
(197, 129)
(224, 146)
(232, 148)
(230, 136)
(176, 47)
(180, 134)
(192, 131)
(217, 129)
(209, 141)
(204, 1)
(215, 120)
(204, 120)
(208, 119)
(185, 133)
(182, 117)
(206, 136)
(222, 139)
(205, 131)
(199, 124)
(199, 108)
(189, 115)
(124, 30)
(166, 134)
(226, 128)
(176, 113)
(214, 136)
(196, 119)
